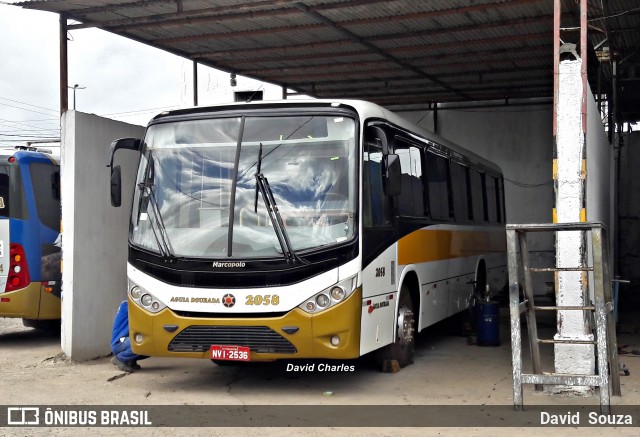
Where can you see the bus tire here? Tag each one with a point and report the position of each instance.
(52, 326)
(401, 352)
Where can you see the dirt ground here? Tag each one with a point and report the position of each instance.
(447, 371)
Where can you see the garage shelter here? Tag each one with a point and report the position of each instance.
(491, 75)
(399, 54)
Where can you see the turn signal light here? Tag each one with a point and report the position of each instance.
(18, 270)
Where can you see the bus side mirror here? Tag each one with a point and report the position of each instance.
(116, 186)
(392, 175)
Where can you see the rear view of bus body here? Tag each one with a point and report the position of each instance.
(30, 252)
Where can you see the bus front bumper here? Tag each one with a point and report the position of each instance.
(294, 335)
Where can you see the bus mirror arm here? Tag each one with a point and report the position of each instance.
(377, 133)
(122, 143)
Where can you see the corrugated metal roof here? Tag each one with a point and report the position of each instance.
(392, 52)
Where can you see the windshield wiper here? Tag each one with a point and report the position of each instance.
(276, 219)
(258, 171)
(159, 230)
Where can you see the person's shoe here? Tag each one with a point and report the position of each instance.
(134, 365)
(125, 367)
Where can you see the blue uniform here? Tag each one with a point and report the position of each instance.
(120, 342)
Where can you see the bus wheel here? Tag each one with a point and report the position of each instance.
(400, 353)
(52, 326)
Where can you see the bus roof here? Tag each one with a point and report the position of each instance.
(364, 109)
(22, 153)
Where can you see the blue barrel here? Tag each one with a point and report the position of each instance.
(488, 324)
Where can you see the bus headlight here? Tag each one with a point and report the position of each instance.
(145, 299)
(329, 297)
(136, 292)
(323, 300)
(337, 293)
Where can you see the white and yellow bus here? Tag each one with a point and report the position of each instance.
(316, 229)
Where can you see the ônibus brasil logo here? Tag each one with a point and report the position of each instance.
(228, 264)
(228, 300)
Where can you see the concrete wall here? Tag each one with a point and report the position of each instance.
(629, 216)
(600, 187)
(94, 237)
(600, 171)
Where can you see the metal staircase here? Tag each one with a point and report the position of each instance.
(606, 378)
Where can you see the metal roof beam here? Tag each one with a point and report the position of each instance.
(445, 98)
(250, 55)
(351, 23)
(115, 7)
(350, 35)
(207, 15)
(495, 57)
(277, 7)
(227, 35)
(176, 19)
(408, 89)
(369, 79)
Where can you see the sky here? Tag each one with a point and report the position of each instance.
(120, 79)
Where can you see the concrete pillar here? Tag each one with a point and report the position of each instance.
(94, 234)
(571, 246)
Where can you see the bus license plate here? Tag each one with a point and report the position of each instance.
(229, 353)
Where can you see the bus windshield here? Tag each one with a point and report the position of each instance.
(191, 169)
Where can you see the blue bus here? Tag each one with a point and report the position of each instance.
(30, 253)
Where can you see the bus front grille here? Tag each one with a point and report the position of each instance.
(260, 339)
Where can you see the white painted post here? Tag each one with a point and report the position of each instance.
(571, 248)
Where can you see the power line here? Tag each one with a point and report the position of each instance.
(142, 111)
(53, 140)
(24, 124)
(24, 136)
(23, 109)
(30, 132)
(52, 120)
(29, 104)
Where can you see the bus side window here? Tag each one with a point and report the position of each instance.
(477, 196)
(438, 186)
(410, 200)
(460, 187)
(502, 214)
(4, 194)
(491, 194)
(376, 206)
(47, 204)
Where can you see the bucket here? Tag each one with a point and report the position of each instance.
(487, 324)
